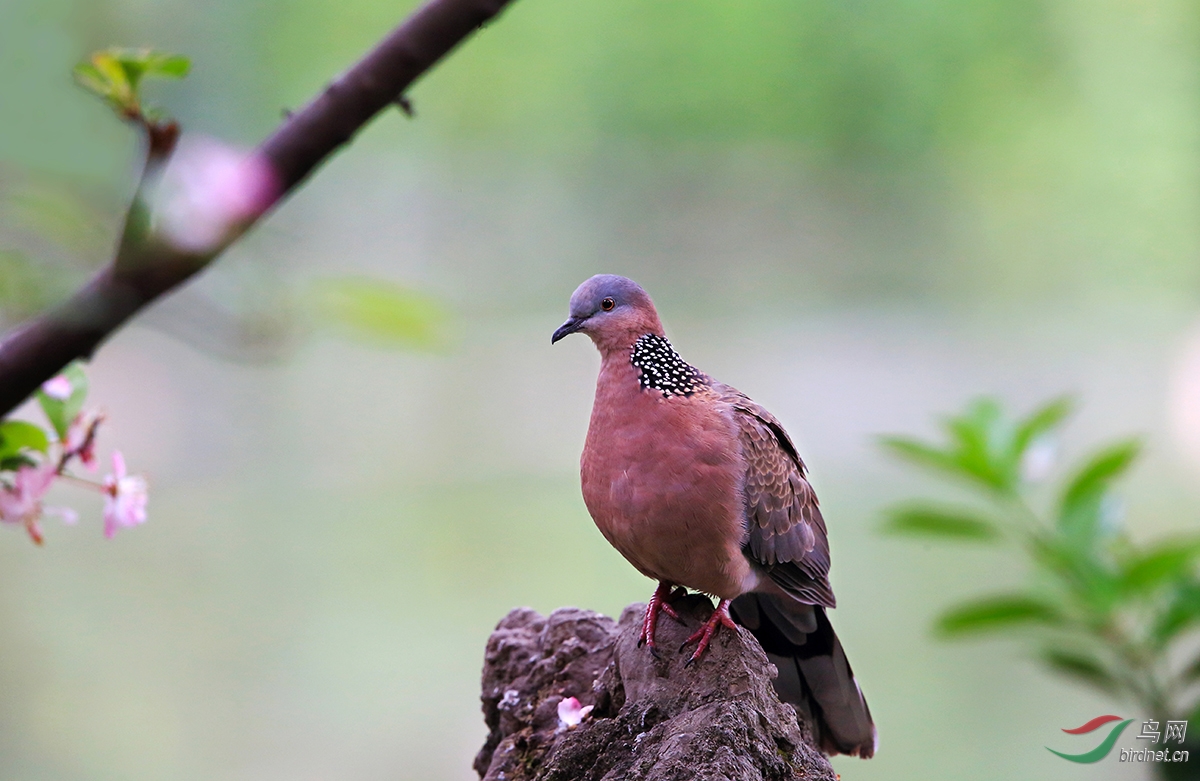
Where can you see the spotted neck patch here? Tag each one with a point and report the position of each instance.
(660, 368)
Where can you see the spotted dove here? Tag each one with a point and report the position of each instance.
(701, 488)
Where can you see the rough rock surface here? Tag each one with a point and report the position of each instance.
(653, 720)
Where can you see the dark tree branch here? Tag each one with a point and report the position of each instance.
(146, 265)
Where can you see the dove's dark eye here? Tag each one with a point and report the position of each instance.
(607, 304)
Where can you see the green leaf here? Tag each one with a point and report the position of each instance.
(379, 311)
(89, 77)
(1181, 612)
(1034, 428)
(992, 614)
(1165, 562)
(936, 522)
(60, 413)
(919, 453)
(983, 436)
(116, 74)
(122, 91)
(1079, 509)
(980, 447)
(13, 463)
(1082, 667)
(168, 66)
(1041, 421)
(18, 435)
(138, 63)
(1080, 569)
(1191, 673)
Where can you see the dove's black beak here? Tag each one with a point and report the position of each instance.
(572, 325)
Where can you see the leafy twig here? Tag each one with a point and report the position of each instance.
(1101, 609)
(148, 263)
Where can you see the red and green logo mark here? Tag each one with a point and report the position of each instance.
(1101, 751)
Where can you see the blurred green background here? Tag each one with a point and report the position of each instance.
(860, 213)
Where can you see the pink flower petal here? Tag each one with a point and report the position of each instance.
(125, 499)
(21, 502)
(118, 466)
(58, 388)
(571, 712)
(12, 506)
(210, 191)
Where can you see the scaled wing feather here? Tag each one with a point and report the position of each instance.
(785, 533)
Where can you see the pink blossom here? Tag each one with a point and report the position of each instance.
(125, 498)
(58, 387)
(571, 712)
(210, 191)
(22, 501)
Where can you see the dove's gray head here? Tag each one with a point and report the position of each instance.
(614, 311)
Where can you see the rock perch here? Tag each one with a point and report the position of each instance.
(652, 719)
